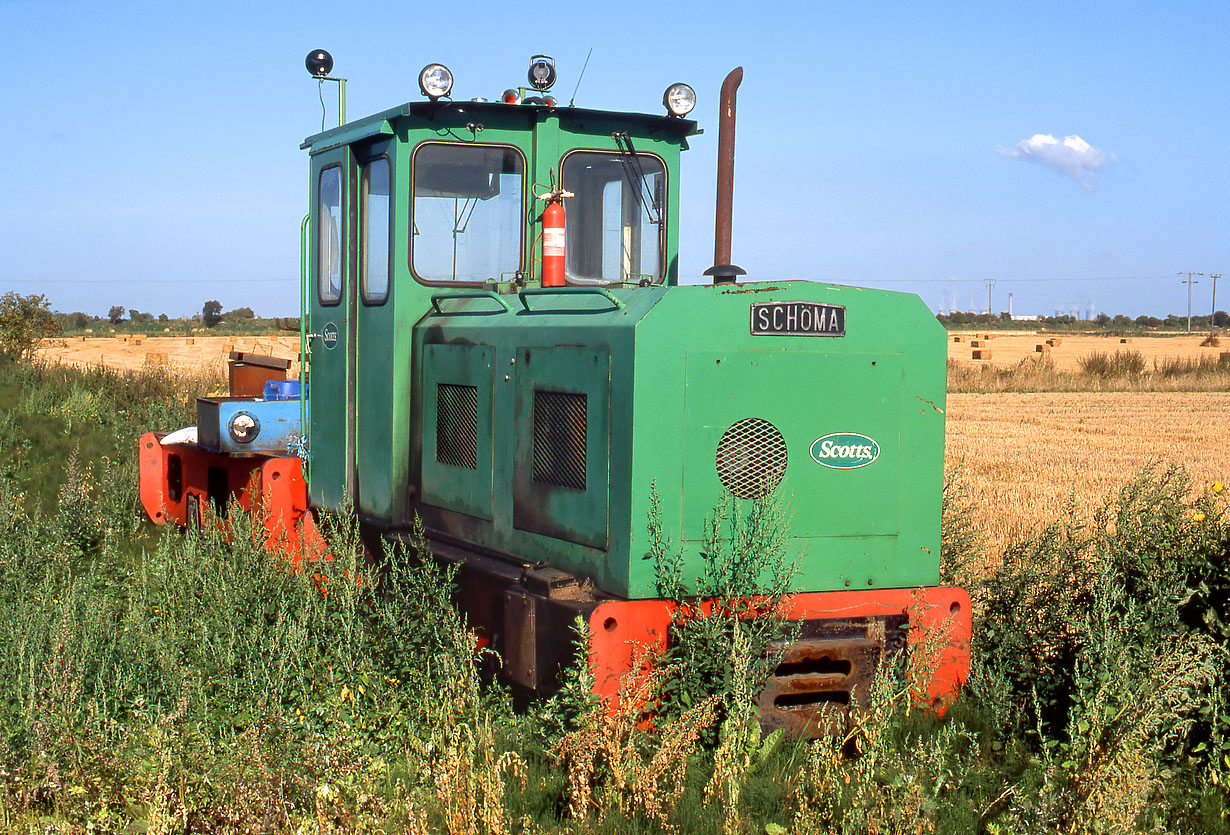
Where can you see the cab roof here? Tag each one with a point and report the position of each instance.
(381, 124)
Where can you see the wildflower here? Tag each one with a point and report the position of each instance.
(345, 693)
(1199, 517)
(1218, 486)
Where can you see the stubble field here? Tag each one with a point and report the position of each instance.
(1024, 456)
(193, 354)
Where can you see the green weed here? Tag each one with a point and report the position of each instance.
(161, 681)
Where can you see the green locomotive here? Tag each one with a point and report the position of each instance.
(525, 379)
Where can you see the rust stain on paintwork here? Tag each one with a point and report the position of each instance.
(751, 290)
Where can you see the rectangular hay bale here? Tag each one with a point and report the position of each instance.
(983, 354)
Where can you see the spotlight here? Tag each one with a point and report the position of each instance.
(319, 63)
(542, 72)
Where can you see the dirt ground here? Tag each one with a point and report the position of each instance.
(193, 353)
(1009, 348)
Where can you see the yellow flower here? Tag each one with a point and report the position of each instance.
(345, 693)
(1199, 517)
(1218, 486)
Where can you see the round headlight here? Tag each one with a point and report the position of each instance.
(542, 72)
(435, 81)
(679, 99)
(245, 427)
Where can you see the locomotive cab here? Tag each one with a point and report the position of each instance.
(529, 415)
(430, 210)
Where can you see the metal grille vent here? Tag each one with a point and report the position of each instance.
(559, 439)
(751, 458)
(457, 425)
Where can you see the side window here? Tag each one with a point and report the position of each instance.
(467, 212)
(614, 222)
(329, 235)
(374, 232)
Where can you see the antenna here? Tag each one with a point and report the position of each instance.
(572, 102)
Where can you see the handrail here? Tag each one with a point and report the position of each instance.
(439, 297)
(303, 328)
(568, 291)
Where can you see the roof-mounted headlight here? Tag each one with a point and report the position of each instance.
(435, 81)
(542, 72)
(679, 99)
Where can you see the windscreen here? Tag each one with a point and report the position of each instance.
(614, 223)
(467, 205)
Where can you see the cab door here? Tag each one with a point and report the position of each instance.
(331, 294)
(373, 343)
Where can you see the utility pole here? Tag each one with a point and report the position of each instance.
(1213, 312)
(1190, 281)
(990, 284)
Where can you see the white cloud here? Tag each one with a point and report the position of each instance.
(1072, 156)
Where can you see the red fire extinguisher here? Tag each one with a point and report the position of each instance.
(554, 246)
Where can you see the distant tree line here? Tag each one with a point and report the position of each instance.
(211, 315)
(1220, 319)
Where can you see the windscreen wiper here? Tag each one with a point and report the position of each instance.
(636, 175)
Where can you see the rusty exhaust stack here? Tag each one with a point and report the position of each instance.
(723, 271)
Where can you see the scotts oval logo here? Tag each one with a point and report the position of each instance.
(329, 335)
(845, 450)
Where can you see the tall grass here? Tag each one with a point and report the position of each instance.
(168, 682)
(1099, 371)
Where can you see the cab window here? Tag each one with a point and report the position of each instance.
(614, 221)
(466, 213)
(374, 231)
(329, 235)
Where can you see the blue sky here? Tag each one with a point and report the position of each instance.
(153, 154)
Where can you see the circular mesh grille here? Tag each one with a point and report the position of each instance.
(751, 458)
